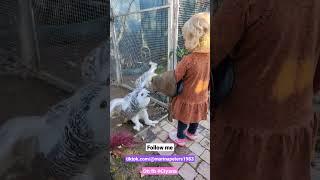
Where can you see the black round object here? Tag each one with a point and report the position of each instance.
(223, 81)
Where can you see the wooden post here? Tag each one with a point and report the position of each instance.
(27, 34)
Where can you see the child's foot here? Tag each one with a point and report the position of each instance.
(190, 136)
(175, 139)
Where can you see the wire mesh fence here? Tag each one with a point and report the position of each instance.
(67, 31)
(57, 35)
(8, 35)
(139, 33)
(139, 37)
(186, 10)
(143, 31)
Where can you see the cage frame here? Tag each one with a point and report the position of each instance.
(173, 16)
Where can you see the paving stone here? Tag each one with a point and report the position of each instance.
(174, 123)
(163, 135)
(157, 140)
(147, 135)
(169, 128)
(168, 140)
(205, 143)
(187, 172)
(166, 153)
(182, 150)
(204, 169)
(206, 133)
(189, 143)
(197, 148)
(163, 122)
(196, 161)
(199, 177)
(199, 138)
(205, 124)
(200, 129)
(156, 129)
(150, 136)
(206, 156)
(176, 164)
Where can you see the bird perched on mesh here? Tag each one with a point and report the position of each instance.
(134, 105)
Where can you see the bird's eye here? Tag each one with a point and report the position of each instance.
(103, 104)
(141, 94)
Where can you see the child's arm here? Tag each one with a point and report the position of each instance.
(181, 68)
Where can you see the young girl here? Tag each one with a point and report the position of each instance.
(191, 105)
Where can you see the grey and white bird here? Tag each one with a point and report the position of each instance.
(72, 135)
(134, 105)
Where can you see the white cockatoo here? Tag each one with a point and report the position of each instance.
(134, 105)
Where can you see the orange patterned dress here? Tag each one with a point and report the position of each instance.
(191, 106)
(265, 129)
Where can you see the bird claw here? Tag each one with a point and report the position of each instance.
(138, 126)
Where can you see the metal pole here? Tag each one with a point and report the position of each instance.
(173, 16)
(28, 36)
(176, 8)
(144, 10)
(116, 50)
(170, 51)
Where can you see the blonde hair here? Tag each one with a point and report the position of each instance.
(196, 32)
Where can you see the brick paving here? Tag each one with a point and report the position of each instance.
(200, 148)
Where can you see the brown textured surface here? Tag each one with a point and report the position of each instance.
(265, 129)
(192, 104)
(165, 83)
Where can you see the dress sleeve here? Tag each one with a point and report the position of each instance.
(181, 68)
(229, 24)
(316, 79)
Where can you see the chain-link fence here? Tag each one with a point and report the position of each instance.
(9, 37)
(139, 34)
(139, 30)
(67, 32)
(52, 37)
(147, 30)
(186, 10)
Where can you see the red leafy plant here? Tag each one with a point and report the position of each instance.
(122, 139)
